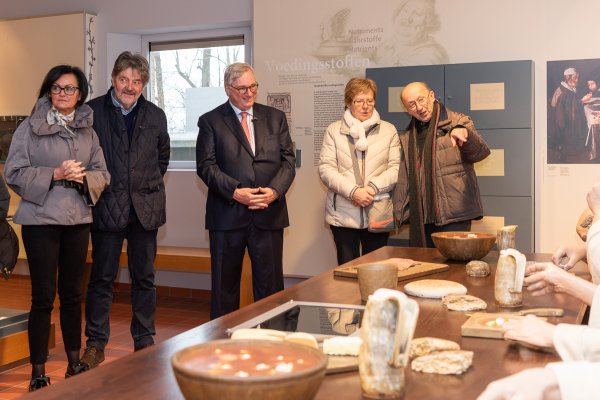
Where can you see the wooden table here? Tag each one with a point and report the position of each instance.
(147, 374)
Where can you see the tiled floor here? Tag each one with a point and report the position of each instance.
(174, 315)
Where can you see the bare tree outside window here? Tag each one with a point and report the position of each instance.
(187, 82)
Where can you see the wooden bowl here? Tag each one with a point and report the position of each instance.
(249, 369)
(463, 246)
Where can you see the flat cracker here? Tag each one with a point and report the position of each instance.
(463, 302)
(428, 345)
(453, 362)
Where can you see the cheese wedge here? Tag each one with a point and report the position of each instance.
(258, 334)
(303, 338)
(342, 345)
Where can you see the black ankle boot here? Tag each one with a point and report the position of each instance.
(39, 382)
(77, 368)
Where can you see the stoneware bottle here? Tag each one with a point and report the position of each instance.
(387, 329)
(508, 284)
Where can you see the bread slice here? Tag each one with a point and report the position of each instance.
(427, 345)
(463, 302)
(453, 362)
(434, 288)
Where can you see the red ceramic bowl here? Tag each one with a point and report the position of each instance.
(249, 369)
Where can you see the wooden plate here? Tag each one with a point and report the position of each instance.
(487, 325)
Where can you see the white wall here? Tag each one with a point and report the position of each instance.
(538, 30)
(471, 31)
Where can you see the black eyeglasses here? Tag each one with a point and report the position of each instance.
(244, 89)
(420, 101)
(69, 90)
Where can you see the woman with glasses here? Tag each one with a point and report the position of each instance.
(55, 164)
(359, 165)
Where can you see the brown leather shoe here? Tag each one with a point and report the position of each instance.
(92, 356)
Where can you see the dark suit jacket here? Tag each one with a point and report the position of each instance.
(224, 161)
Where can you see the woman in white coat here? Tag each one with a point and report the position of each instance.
(359, 165)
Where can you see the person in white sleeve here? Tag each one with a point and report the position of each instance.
(577, 345)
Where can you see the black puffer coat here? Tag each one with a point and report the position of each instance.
(136, 168)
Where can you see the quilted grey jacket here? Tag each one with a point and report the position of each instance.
(36, 149)
(136, 168)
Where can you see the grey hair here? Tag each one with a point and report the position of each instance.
(134, 61)
(235, 70)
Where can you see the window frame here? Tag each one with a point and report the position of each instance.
(199, 35)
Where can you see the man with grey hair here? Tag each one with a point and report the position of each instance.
(437, 188)
(133, 135)
(244, 155)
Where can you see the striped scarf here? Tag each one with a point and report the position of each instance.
(420, 175)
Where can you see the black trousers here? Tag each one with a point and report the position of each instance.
(461, 226)
(349, 241)
(52, 250)
(141, 252)
(227, 249)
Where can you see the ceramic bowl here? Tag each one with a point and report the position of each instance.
(249, 369)
(463, 246)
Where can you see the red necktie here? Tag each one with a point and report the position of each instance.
(245, 126)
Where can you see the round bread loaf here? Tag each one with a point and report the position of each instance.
(463, 302)
(445, 362)
(427, 345)
(434, 288)
(478, 268)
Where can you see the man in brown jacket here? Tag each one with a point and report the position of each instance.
(437, 187)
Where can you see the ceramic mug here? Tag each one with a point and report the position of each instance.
(387, 329)
(374, 276)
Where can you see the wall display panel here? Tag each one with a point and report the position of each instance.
(494, 94)
(390, 83)
(516, 211)
(512, 151)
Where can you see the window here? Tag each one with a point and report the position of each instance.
(186, 80)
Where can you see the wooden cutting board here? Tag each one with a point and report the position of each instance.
(339, 364)
(487, 325)
(423, 268)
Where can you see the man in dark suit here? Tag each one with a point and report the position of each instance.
(244, 155)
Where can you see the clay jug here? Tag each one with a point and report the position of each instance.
(508, 284)
(387, 329)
